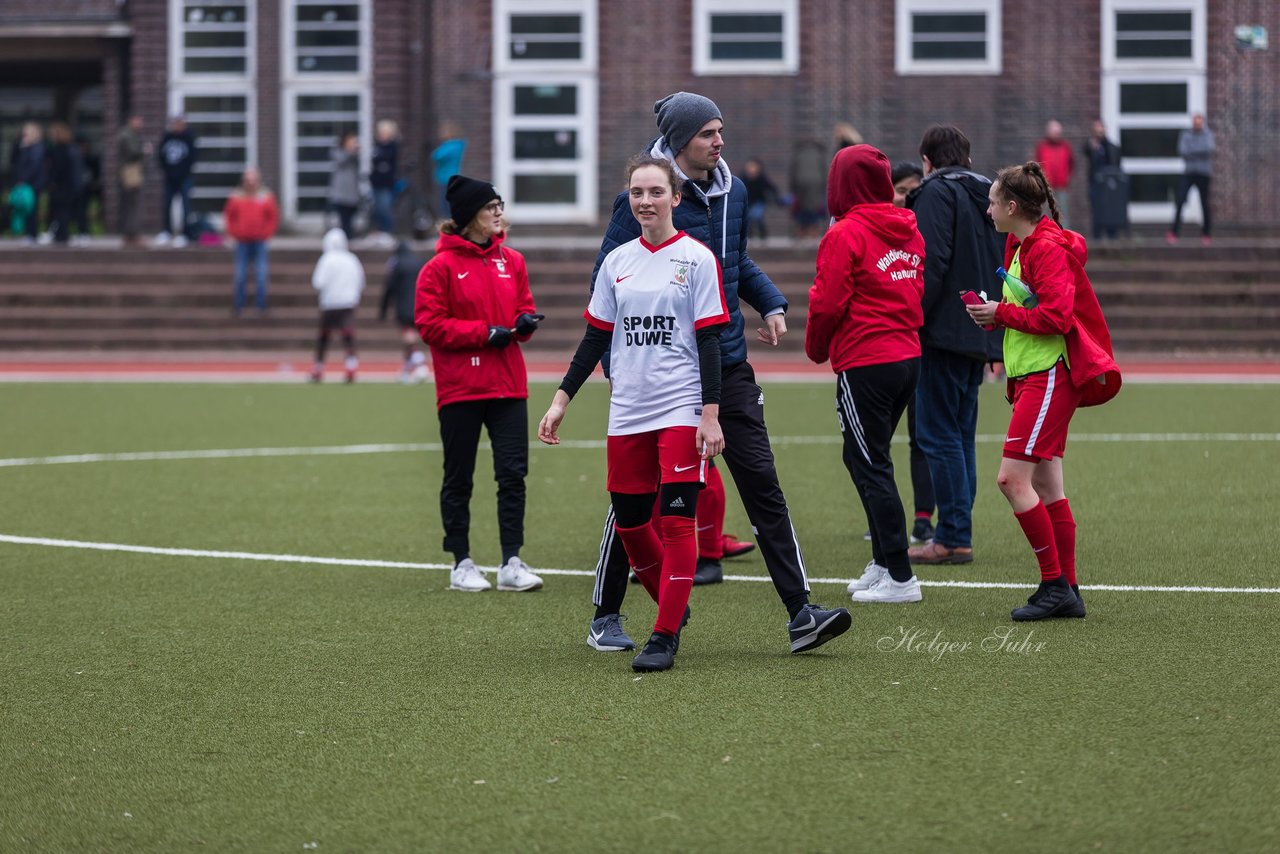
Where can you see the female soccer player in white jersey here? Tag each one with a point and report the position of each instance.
(658, 305)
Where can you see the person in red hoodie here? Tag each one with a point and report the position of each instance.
(1059, 162)
(251, 218)
(865, 315)
(473, 307)
(1057, 353)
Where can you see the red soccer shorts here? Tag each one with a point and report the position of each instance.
(1043, 404)
(640, 461)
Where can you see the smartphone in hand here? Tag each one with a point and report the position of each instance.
(970, 298)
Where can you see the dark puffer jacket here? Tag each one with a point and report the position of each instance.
(717, 218)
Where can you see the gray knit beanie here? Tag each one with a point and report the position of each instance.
(682, 115)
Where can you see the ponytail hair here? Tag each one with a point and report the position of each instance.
(1027, 186)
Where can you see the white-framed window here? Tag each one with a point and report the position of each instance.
(544, 109)
(545, 34)
(210, 39)
(1153, 80)
(212, 65)
(225, 142)
(948, 37)
(746, 37)
(326, 76)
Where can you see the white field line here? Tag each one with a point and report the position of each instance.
(418, 447)
(396, 564)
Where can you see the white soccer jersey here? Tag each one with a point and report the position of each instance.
(653, 299)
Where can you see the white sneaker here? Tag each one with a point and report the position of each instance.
(179, 242)
(45, 238)
(873, 573)
(162, 239)
(467, 576)
(515, 575)
(888, 590)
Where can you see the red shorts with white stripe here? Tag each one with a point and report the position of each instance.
(1043, 404)
(640, 461)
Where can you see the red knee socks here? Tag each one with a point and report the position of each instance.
(1064, 535)
(1038, 529)
(711, 517)
(678, 563)
(645, 552)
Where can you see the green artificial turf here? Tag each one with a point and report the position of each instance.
(162, 703)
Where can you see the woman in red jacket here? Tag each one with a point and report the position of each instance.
(251, 217)
(1057, 353)
(473, 307)
(865, 316)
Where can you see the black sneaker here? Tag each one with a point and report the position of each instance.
(921, 531)
(1051, 599)
(1078, 611)
(707, 572)
(658, 654)
(815, 625)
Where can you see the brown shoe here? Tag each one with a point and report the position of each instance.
(934, 552)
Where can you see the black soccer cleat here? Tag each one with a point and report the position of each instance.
(815, 625)
(658, 654)
(708, 571)
(1051, 599)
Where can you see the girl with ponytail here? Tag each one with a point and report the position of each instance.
(1057, 354)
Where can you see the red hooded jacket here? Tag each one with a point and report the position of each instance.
(1053, 267)
(462, 291)
(865, 303)
(250, 219)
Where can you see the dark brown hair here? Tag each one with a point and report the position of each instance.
(1027, 186)
(945, 145)
(639, 161)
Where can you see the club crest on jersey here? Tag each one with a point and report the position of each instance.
(682, 274)
(501, 265)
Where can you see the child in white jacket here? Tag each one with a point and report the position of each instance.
(339, 277)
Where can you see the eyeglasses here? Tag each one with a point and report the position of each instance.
(495, 207)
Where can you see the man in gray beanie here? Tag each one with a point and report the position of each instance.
(681, 115)
(713, 210)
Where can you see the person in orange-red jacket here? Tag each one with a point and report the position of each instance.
(473, 308)
(1059, 163)
(251, 217)
(865, 314)
(1057, 353)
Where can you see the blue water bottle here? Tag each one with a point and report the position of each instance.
(1019, 287)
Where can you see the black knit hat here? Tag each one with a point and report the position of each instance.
(466, 196)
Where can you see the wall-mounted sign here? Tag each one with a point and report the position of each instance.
(1251, 37)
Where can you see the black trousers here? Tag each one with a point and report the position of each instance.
(1201, 183)
(749, 457)
(869, 403)
(507, 421)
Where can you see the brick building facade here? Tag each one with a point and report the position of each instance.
(553, 95)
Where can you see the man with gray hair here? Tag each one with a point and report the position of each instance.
(1196, 147)
(713, 210)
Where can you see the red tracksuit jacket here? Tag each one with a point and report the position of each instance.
(865, 303)
(461, 292)
(1053, 267)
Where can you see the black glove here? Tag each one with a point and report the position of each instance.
(527, 324)
(499, 336)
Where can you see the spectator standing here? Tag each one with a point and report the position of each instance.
(473, 310)
(177, 155)
(808, 187)
(251, 217)
(447, 160)
(344, 182)
(761, 191)
(1196, 147)
(90, 188)
(398, 291)
(66, 183)
(962, 253)
(865, 317)
(1059, 163)
(1100, 156)
(846, 135)
(382, 178)
(339, 277)
(28, 167)
(131, 153)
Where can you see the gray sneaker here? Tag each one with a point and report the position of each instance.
(606, 635)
